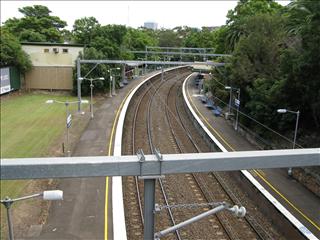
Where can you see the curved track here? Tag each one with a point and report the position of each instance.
(160, 120)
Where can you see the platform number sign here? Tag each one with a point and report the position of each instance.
(69, 120)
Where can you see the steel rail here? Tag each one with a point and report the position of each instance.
(232, 197)
(152, 149)
(134, 150)
(218, 179)
(197, 149)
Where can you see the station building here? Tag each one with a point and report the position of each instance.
(53, 65)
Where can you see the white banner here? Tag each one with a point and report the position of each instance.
(5, 80)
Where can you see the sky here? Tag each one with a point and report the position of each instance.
(168, 14)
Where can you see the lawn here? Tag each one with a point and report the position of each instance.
(29, 128)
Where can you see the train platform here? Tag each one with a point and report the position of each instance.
(301, 202)
(81, 214)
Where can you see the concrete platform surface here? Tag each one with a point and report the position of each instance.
(81, 215)
(301, 202)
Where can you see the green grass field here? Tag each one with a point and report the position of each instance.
(29, 128)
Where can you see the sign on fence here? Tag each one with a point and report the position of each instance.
(5, 81)
(69, 120)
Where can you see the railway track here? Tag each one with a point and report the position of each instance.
(159, 119)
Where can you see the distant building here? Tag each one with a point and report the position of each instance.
(53, 65)
(151, 25)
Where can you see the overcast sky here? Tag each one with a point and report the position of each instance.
(167, 14)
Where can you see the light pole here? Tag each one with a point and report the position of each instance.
(46, 195)
(110, 81)
(68, 118)
(144, 69)
(295, 131)
(229, 88)
(114, 81)
(91, 90)
(237, 103)
(112, 90)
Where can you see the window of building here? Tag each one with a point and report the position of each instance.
(46, 50)
(65, 50)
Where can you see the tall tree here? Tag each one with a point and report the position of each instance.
(255, 66)
(99, 71)
(245, 9)
(169, 38)
(301, 62)
(11, 53)
(36, 25)
(85, 29)
(138, 39)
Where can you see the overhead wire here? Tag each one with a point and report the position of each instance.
(256, 121)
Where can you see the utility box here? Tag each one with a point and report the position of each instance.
(15, 79)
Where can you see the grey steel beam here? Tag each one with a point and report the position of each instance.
(179, 48)
(32, 168)
(182, 53)
(151, 62)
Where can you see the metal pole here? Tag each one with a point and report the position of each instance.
(110, 94)
(189, 221)
(149, 203)
(114, 86)
(8, 204)
(67, 113)
(162, 73)
(146, 58)
(296, 130)
(79, 84)
(123, 74)
(294, 139)
(91, 104)
(230, 100)
(236, 127)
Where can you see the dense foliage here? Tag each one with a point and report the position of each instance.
(11, 53)
(275, 54)
(37, 25)
(275, 63)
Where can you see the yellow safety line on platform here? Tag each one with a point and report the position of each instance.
(109, 154)
(208, 124)
(258, 174)
(291, 204)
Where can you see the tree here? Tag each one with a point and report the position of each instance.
(137, 39)
(36, 11)
(245, 9)
(36, 25)
(100, 71)
(169, 38)
(301, 62)
(255, 67)
(85, 29)
(11, 52)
